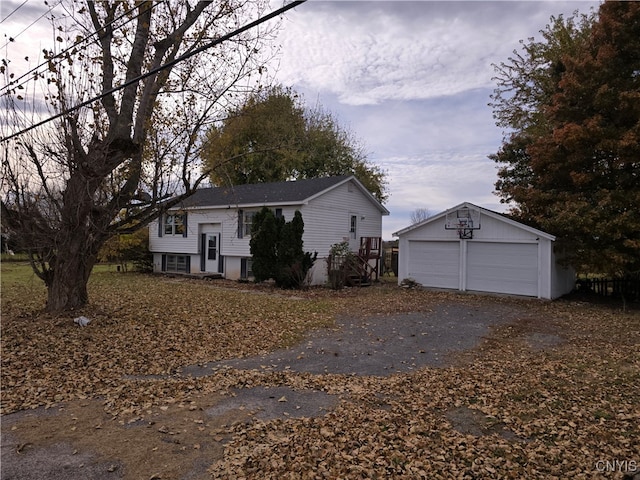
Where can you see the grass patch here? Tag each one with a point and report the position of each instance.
(16, 272)
(16, 257)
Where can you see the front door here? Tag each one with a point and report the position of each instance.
(211, 251)
(354, 241)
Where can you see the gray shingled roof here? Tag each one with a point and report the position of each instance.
(261, 193)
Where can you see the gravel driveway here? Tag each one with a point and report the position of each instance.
(381, 345)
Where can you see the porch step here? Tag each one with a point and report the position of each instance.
(358, 281)
(200, 275)
(211, 276)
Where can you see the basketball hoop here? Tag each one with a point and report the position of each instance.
(464, 220)
(464, 232)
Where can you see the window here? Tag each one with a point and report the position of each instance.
(176, 263)
(174, 224)
(212, 247)
(248, 222)
(245, 221)
(353, 225)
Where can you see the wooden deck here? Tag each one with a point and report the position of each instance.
(359, 269)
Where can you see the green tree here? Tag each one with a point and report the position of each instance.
(526, 83)
(529, 78)
(277, 249)
(293, 261)
(572, 167)
(290, 247)
(258, 141)
(273, 137)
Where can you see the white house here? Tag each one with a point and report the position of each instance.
(210, 231)
(471, 248)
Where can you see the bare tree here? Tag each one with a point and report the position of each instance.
(420, 215)
(113, 165)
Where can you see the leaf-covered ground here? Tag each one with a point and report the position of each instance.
(553, 394)
(140, 325)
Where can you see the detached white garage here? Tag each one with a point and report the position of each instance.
(471, 248)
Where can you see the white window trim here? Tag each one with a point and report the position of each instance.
(173, 224)
(247, 222)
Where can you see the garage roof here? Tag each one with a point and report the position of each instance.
(483, 211)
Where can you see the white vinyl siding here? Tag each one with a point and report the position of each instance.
(503, 268)
(225, 219)
(326, 222)
(435, 264)
(327, 219)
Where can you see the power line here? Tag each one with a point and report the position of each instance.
(31, 24)
(153, 71)
(14, 83)
(14, 11)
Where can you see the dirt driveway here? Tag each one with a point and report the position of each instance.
(79, 440)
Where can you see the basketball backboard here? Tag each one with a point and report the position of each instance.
(464, 220)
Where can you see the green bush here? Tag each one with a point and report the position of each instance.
(277, 250)
(264, 245)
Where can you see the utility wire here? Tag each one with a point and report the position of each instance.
(14, 83)
(11, 39)
(181, 58)
(14, 11)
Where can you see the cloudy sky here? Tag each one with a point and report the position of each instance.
(410, 79)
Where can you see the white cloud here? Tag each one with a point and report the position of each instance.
(440, 180)
(412, 80)
(368, 52)
(437, 181)
(367, 60)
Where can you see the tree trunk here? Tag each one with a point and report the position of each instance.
(68, 288)
(77, 246)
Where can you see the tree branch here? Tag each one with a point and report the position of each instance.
(108, 101)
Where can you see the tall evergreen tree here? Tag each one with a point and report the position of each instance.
(265, 235)
(277, 249)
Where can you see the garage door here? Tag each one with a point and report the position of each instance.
(435, 264)
(503, 267)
